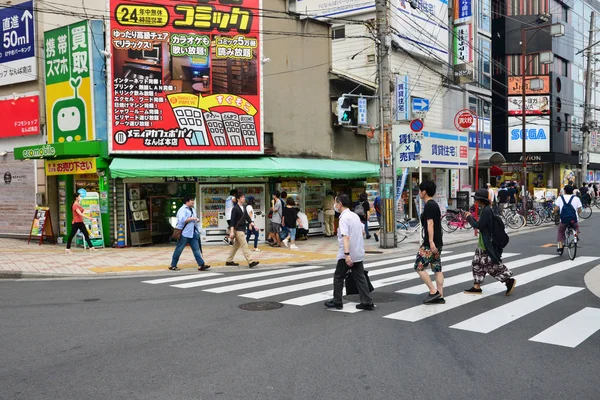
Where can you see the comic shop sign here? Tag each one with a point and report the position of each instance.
(185, 77)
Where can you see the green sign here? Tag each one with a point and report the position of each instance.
(69, 87)
(61, 150)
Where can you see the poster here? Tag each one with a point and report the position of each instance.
(534, 105)
(69, 83)
(91, 207)
(515, 85)
(18, 62)
(185, 78)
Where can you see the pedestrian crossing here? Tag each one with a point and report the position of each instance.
(304, 286)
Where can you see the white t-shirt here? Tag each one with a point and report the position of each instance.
(228, 207)
(250, 212)
(576, 203)
(303, 220)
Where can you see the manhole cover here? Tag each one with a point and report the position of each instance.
(261, 306)
(373, 252)
(378, 297)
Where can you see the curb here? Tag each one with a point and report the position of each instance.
(19, 275)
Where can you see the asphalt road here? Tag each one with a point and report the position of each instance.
(125, 339)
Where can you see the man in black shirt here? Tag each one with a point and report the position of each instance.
(431, 249)
(512, 193)
(239, 221)
(503, 194)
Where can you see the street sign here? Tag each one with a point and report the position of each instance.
(416, 125)
(463, 119)
(402, 98)
(362, 111)
(18, 61)
(420, 104)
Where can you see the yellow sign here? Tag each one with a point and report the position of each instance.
(71, 167)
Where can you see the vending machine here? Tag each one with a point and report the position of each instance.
(260, 213)
(314, 194)
(372, 190)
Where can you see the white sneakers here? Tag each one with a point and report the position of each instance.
(294, 247)
(285, 242)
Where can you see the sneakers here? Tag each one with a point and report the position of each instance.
(294, 247)
(285, 242)
(432, 298)
(226, 240)
(253, 264)
(376, 237)
(256, 249)
(174, 268)
(440, 300)
(203, 267)
(68, 251)
(473, 290)
(369, 306)
(510, 286)
(232, 264)
(337, 306)
(560, 251)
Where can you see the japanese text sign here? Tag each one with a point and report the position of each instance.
(186, 78)
(463, 44)
(18, 62)
(74, 166)
(19, 117)
(515, 85)
(69, 84)
(402, 105)
(443, 149)
(463, 11)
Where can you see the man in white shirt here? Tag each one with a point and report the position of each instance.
(187, 221)
(302, 231)
(569, 207)
(350, 256)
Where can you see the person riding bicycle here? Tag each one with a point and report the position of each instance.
(569, 206)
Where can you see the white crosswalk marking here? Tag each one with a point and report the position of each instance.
(324, 282)
(245, 276)
(573, 330)
(500, 316)
(349, 308)
(183, 278)
(468, 276)
(425, 311)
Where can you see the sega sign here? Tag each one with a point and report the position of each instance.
(537, 135)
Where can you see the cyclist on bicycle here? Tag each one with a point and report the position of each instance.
(569, 207)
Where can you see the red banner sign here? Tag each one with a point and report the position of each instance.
(20, 117)
(186, 78)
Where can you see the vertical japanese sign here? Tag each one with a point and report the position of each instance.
(463, 11)
(18, 62)
(186, 78)
(463, 42)
(402, 98)
(69, 84)
(362, 111)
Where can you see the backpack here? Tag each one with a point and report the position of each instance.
(359, 210)
(567, 213)
(500, 238)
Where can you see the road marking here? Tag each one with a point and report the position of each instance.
(423, 311)
(500, 316)
(468, 276)
(549, 245)
(324, 282)
(349, 308)
(182, 278)
(573, 330)
(247, 275)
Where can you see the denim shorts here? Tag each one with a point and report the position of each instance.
(292, 233)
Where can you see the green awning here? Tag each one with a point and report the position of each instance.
(272, 167)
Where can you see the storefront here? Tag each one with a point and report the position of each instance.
(211, 180)
(80, 167)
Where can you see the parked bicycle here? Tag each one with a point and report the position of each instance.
(453, 220)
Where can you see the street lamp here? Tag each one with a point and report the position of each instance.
(546, 57)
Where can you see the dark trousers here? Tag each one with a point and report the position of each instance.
(358, 273)
(79, 226)
(252, 231)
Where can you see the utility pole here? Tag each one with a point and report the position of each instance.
(585, 129)
(386, 179)
(525, 186)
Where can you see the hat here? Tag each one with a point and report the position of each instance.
(481, 194)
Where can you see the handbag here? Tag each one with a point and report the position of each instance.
(351, 284)
(177, 232)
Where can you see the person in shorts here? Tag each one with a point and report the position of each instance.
(429, 254)
(276, 216)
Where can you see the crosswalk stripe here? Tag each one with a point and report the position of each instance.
(324, 282)
(573, 330)
(468, 276)
(266, 282)
(317, 297)
(245, 276)
(500, 316)
(349, 308)
(183, 278)
(423, 311)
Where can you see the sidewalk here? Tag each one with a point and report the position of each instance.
(21, 260)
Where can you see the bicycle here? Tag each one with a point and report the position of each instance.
(570, 242)
(403, 229)
(454, 219)
(586, 211)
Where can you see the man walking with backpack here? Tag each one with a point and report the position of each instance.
(569, 206)
(492, 239)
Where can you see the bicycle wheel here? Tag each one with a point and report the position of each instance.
(586, 212)
(401, 231)
(449, 223)
(515, 221)
(570, 243)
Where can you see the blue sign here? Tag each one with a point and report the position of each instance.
(463, 12)
(362, 111)
(485, 140)
(402, 98)
(419, 104)
(17, 44)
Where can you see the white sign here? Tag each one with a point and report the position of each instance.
(408, 148)
(441, 149)
(534, 105)
(362, 111)
(423, 30)
(402, 98)
(537, 134)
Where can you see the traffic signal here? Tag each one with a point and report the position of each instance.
(344, 111)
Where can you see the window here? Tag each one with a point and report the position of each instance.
(561, 66)
(564, 13)
(370, 58)
(485, 14)
(484, 63)
(338, 32)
